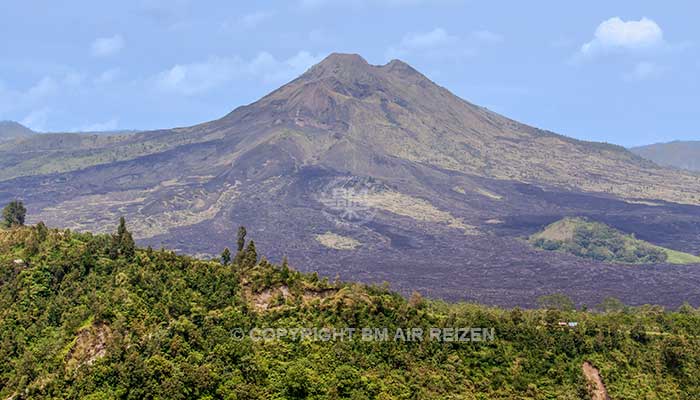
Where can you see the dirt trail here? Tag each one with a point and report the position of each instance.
(595, 384)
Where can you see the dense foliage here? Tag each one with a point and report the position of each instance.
(13, 214)
(604, 243)
(79, 321)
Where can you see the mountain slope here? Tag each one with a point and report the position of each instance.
(13, 130)
(433, 192)
(679, 154)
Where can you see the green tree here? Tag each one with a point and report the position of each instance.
(556, 301)
(226, 257)
(127, 245)
(42, 231)
(611, 304)
(240, 252)
(122, 243)
(241, 238)
(285, 271)
(296, 382)
(13, 214)
(639, 333)
(250, 258)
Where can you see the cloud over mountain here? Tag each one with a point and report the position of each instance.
(199, 77)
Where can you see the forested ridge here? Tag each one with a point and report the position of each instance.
(91, 316)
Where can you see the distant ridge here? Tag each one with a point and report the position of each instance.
(13, 130)
(678, 154)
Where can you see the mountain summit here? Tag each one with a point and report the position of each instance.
(376, 173)
(13, 130)
(394, 111)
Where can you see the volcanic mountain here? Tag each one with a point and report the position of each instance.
(378, 174)
(679, 154)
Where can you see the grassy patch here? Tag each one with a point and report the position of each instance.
(588, 239)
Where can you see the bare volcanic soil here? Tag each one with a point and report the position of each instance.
(496, 266)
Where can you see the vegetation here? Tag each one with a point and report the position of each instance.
(588, 239)
(76, 321)
(226, 257)
(14, 214)
(122, 243)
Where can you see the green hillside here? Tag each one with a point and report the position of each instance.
(588, 239)
(86, 316)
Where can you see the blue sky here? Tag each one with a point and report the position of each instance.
(624, 72)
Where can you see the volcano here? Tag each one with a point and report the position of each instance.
(375, 173)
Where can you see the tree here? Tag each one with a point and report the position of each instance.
(416, 300)
(296, 381)
(285, 269)
(42, 231)
(127, 245)
(13, 214)
(639, 333)
(226, 257)
(250, 258)
(241, 238)
(122, 243)
(556, 301)
(611, 304)
(121, 230)
(240, 252)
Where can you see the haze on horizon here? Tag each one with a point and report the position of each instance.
(625, 73)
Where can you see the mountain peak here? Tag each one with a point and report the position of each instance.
(353, 70)
(344, 58)
(401, 68)
(12, 129)
(342, 63)
(338, 64)
(11, 124)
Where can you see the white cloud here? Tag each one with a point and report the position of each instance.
(44, 88)
(110, 125)
(33, 101)
(36, 120)
(616, 34)
(200, 77)
(107, 46)
(273, 71)
(422, 42)
(436, 37)
(441, 44)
